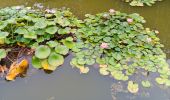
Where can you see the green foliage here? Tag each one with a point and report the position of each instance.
(141, 2)
(117, 42)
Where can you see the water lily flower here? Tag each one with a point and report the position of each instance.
(105, 15)
(156, 31)
(18, 7)
(104, 45)
(129, 20)
(112, 11)
(148, 39)
(39, 5)
(50, 11)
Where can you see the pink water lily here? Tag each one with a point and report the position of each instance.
(112, 11)
(104, 45)
(129, 20)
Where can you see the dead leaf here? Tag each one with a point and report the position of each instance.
(17, 69)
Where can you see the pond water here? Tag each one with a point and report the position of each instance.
(66, 83)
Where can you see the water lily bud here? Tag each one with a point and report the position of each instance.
(112, 11)
(148, 39)
(129, 20)
(104, 45)
(105, 15)
(156, 31)
(18, 7)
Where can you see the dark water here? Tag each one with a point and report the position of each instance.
(66, 83)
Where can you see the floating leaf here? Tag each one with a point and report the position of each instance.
(160, 80)
(42, 52)
(2, 53)
(41, 23)
(55, 59)
(21, 30)
(103, 71)
(52, 44)
(61, 49)
(84, 70)
(51, 29)
(47, 66)
(146, 84)
(132, 87)
(36, 62)
(3, 35)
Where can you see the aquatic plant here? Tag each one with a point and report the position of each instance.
(141, 2)
(116, 42)
(48, 32)
(120, 45)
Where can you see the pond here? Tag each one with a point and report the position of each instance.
(67, 83)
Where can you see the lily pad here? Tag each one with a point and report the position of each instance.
(51, 29)
(133, 87)
(61, 49)
(84, 70)
(47, 66)
(103, 71)
(146, 84)
(3, 34)
(42, 52)
(55, 59)
(36, 63)
(2, 53)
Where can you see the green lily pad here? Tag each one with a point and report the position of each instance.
(67, 42)
(146, 84)
(2, 53)
(103, 71)
(55, 59)
(132, 87)
(42, 52)
(61, 49)
(52, 44)
(160, 80)
(36, 63)
(51, 29)
(3, 34)
(30, 35)
(64, 31)
(21, 30)
(41, 23)
(47, 66)
(81, 61)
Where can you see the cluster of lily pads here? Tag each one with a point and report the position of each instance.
(141, 2)
(49, 31)
(117, 43)
(121, 46)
